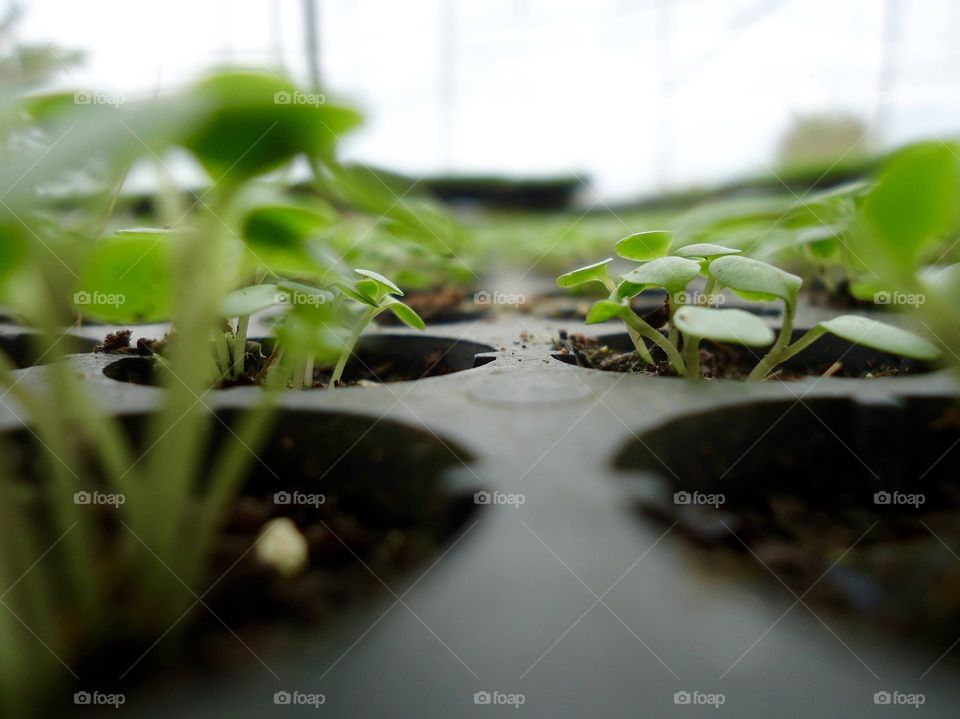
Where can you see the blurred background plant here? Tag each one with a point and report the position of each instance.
(822, 139)
(123, 580)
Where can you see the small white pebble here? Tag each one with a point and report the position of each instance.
(281, 546)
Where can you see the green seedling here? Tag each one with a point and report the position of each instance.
(374, 294)
(315, 323)
(722, 268)
(240, 305)
(734, 326)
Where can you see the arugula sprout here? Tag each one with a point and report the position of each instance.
(722, 268)
(374, 293)
(314, 325)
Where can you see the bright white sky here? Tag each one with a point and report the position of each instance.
(550, 86)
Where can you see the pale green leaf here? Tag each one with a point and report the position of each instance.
(644, 245)
(755, 280)
(737, 326)
(628, 290)
(385, 285)
(672, 273)
(244, 302)
(881, 336)
(604, 310)
(404, 313)
(705, 250)
(595, 272)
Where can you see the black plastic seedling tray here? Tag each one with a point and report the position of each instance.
(565, 586)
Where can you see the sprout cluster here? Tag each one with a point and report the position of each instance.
(689, 323)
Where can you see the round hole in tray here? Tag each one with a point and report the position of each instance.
(379, 358)
(804, 483)
(374, 499)
(855, 360)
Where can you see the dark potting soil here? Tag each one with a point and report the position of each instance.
(360, 370)
(119, 343)
(441, 305)
(369, 518)
(716, 362)
(893, 570)
(350, 551)
(857, 510)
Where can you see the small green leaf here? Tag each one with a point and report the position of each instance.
(127, 277)
(295, 221)
(278, 236)
(645, 245)
(404, 313)
(823, 249)
(755, 280)
(705, 250)
(244, 302)
(604, 310)
(256, 122)
(738, 326)
(358, 296)
(867, 289)
(595, 272)
(881, 336)
(672, 273)
(383, 285)
(629, 290)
